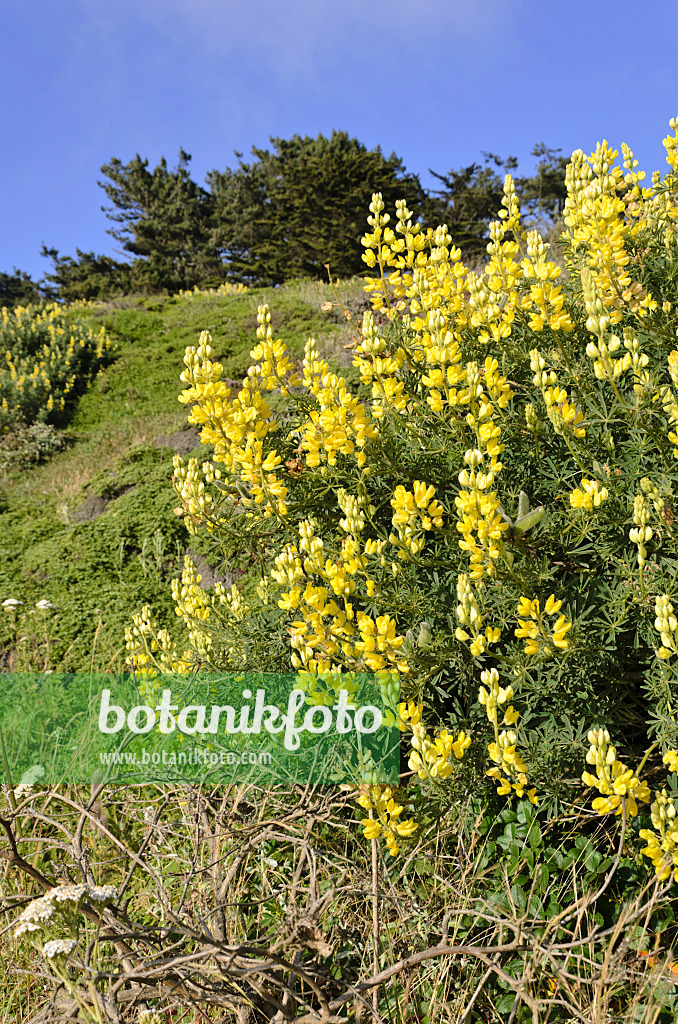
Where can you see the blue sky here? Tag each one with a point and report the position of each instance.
(436, 81)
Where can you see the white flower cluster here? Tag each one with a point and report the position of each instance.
(67, 893)
(43, 605)
(148, 1017)
(102, 893)
(33, 918)
(58, 947)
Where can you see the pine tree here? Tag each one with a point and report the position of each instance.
(19, 289)
(165, 220)
(302, 205)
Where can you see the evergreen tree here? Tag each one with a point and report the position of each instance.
(88, 276)
(472, 195)
(469, 200)
(19, 289)
(293, 209)
(542, 196)
(165, 220)
(303, 204)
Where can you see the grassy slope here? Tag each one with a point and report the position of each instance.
(98, 572)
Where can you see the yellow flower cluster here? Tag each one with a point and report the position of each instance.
(545, 301)
(622, 789)
(152, 651)
(441, 355)
(641, 533)
(44, 353)
(603, 210)
(480, 521)
(617, 783)
(384, 821)
(670, 401)
(662, 846)
(410, 715)
(236, 428)
(666, 624)
(588, 495)
(197, 504)
(671, 145)
(275, 371)
(563, 414)
(662, 843)
(493, 298)
(607, 364)
(329, 635)
(509, 770)
(340, 423)
(223, 289)
(413, 512)
(471, 619)
(432, 758)
(435, 281)
(538, 637)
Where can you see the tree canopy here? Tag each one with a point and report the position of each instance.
(471, 197)
(288, 212)
(165, 219)
(18, 289)
(302, 205)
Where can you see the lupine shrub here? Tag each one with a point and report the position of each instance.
(490, 513)
(47, 358)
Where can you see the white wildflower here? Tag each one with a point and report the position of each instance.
(102, 893)
(68, 893)
(58, 947)
(26, 926)
(148, 1017)
(39, 910)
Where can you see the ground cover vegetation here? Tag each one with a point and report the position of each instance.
(286, 213)
(87, 520)
(482, 505)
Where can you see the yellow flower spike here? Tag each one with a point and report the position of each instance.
(410, 715)
(618, 784)
(383, 802)
(509, 770)
(552, 606)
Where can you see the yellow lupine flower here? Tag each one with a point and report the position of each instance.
(532, 628)
(588, 495)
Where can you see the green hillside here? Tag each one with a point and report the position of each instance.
(92, 529)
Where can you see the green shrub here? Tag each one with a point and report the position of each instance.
(487, 509)
(491, 514)
(48, 358)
